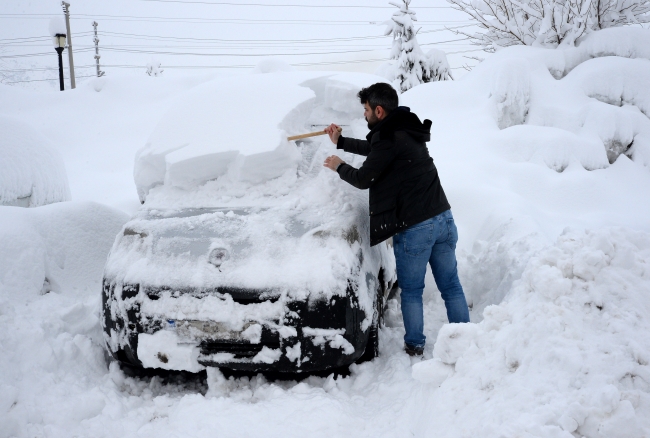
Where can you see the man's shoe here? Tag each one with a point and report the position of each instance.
(413, 351)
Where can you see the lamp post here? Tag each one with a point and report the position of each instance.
(59, 45)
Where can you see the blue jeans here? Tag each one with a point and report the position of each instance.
(432, 241)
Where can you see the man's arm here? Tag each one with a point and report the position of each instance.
(359, 147)
(380, 157)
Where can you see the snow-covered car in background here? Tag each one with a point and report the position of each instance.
(247, 253)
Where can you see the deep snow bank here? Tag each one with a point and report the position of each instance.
(32, 172)
(60, 247)
(566, 352)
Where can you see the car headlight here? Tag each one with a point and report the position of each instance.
(217, 256)
(132, 232)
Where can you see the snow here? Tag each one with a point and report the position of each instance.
(164, 350)
(222, 128)
(554, 256)
(547, 23)
(55, 248)
(579, 308)
(411, 66)
(57, 26)
(32, 172)
(271, 65)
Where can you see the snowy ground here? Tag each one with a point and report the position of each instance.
(544, 156)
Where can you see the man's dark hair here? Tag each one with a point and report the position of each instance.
(379, 94)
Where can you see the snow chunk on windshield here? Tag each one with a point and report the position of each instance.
(238, 127)
(32, 173)
(218, 124)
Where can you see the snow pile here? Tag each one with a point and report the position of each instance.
(596, 112)
(58, 248)
(238, 128)
(32, 173)
(566, 352)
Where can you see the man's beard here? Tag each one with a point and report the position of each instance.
(372, 122)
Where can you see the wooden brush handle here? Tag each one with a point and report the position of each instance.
(311, 134)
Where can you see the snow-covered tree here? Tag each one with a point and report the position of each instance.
(547, 23)
(412, 67)
(153, 68)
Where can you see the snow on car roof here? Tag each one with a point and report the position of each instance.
(237, 126)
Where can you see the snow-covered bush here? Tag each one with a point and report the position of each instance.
(412, 66)
(32, 173)
(547, 23)
(154, 68)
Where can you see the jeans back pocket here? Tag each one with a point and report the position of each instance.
(417, 240)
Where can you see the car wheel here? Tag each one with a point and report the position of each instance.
(372, 347)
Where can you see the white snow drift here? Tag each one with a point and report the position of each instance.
(32, 172)
(568, 343)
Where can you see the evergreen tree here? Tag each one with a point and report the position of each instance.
(412, 66)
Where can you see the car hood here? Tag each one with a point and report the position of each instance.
(244, 247)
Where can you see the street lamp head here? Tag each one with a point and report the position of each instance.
(59, 41)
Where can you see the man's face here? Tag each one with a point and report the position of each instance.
(370, 115)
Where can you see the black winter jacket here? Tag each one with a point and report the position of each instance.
(403, 181)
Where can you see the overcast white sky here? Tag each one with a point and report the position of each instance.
(188, 36)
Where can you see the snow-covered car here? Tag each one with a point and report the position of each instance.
(260, 260)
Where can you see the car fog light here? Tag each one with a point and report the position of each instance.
(218, 256)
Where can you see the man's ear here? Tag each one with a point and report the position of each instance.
(380, 112)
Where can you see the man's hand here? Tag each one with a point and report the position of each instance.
(334, 131)
(333, 161)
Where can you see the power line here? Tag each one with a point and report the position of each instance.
(289, 5)
(168, 38)
(29, 55)
(28, 39)
(17, 70)
(313, 40)
(42, 80)
(224, 20)
(226, 47)
(153, 52)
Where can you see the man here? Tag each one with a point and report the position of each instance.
(406, 202)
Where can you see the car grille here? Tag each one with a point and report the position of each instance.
(239, 295)
(240, 351)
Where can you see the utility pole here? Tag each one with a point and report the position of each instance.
(99, 72)
(66, 11)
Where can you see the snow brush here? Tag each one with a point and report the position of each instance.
(311, 134)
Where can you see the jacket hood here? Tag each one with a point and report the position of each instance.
(402, 119)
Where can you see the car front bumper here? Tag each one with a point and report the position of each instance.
(274, 332)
